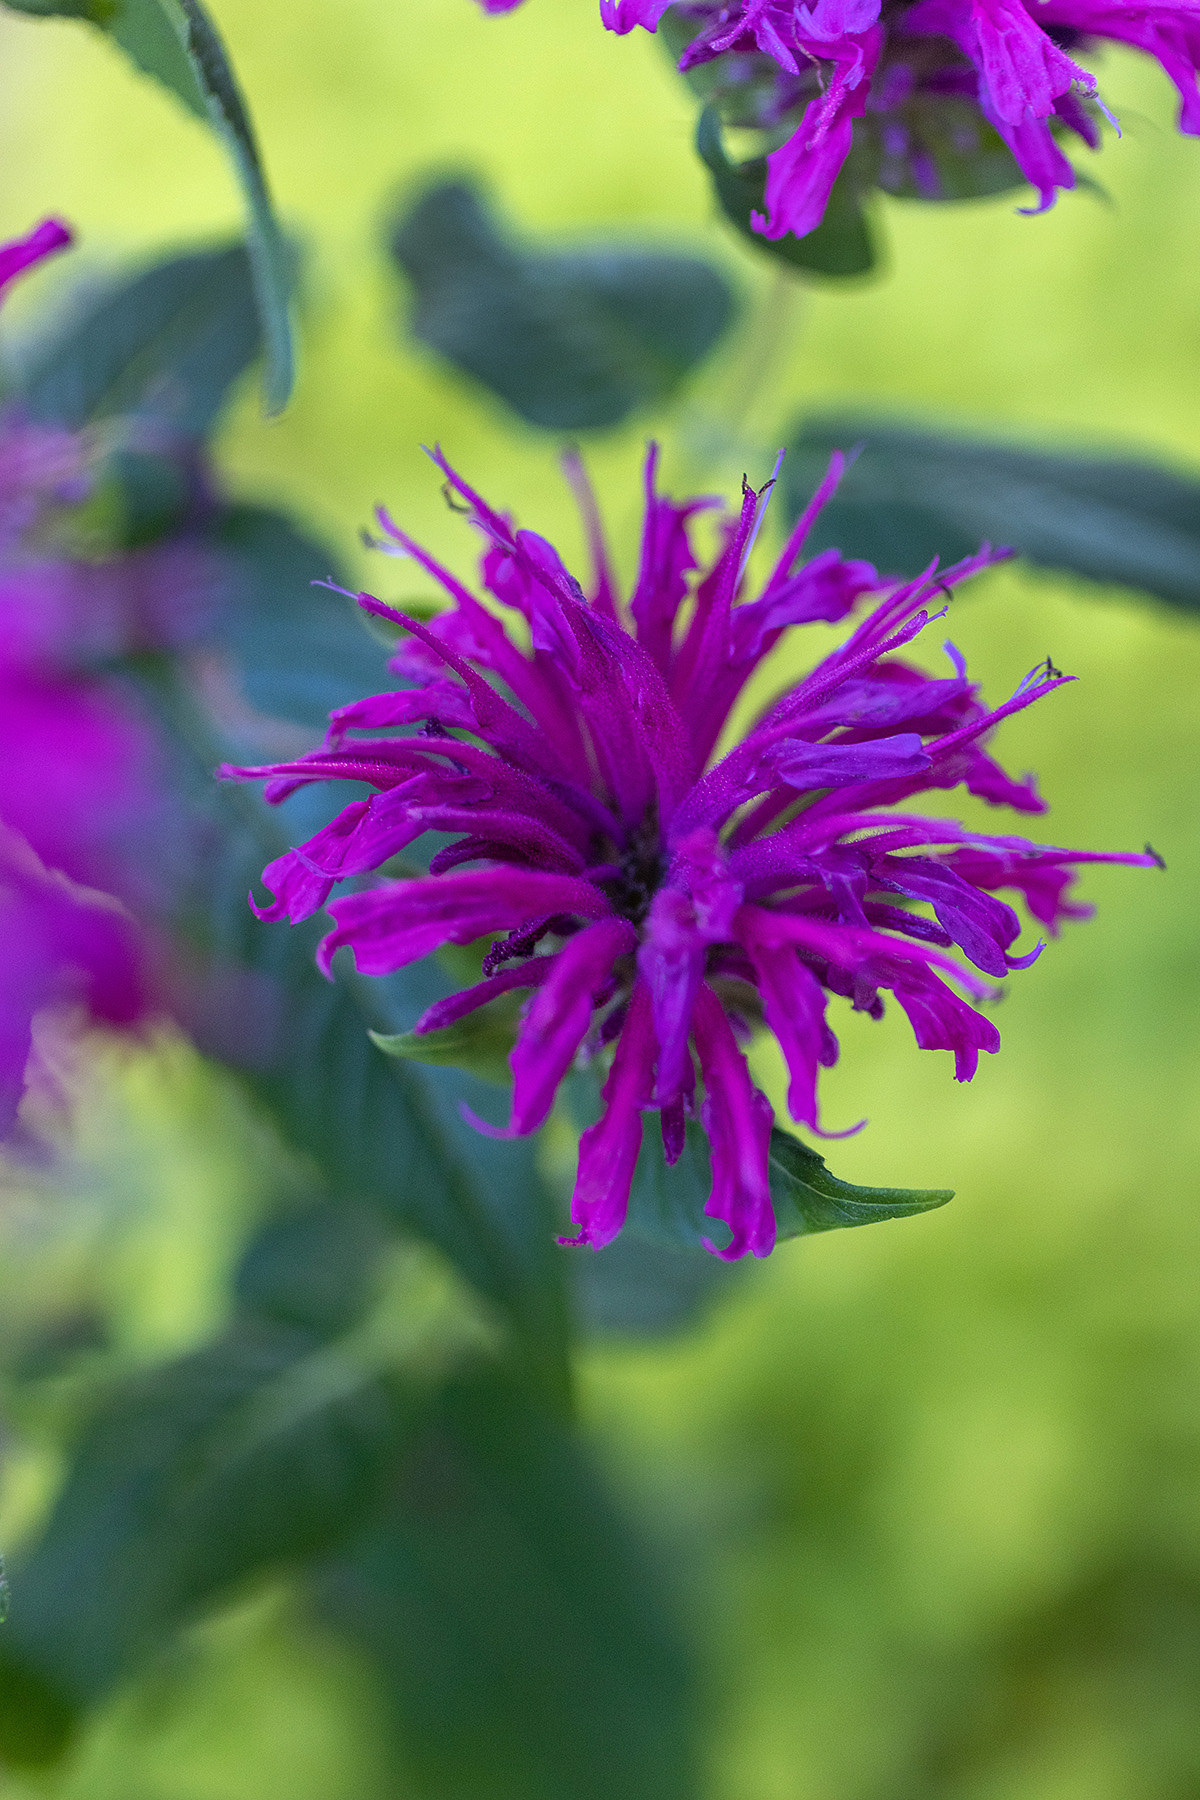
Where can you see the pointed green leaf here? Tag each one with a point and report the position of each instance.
(808, 1198)
(667, 1203)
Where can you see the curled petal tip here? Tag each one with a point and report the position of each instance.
(832, 1136)
(502, 1133)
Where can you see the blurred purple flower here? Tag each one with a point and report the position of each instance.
(658, 898)
(60, 944)
(78, 781)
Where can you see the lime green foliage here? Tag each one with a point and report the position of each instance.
(934, 1484)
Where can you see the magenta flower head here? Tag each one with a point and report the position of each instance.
(933, 99)
(658, 893)
(905, 95)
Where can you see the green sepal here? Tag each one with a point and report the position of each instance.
(480, 1043)
(841, 246)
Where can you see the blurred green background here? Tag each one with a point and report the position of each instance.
(930, 1494)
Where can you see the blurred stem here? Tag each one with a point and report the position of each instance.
(718, 429)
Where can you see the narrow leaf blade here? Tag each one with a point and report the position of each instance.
(808, 1198)
(269, 258)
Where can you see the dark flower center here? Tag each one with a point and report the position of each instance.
(641, 870)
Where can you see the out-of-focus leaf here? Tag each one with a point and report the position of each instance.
(299, 649)
(377, 1130)
(480, 1042)
(312, 1268)
(519, 1632)
(647, 1281)
(177, 43)
(152, 496)
(840, 246)
(913, 495)
(667, 1203)
(164, 347)
(255, 1452)
(961, 156)
(63, 9)
(636, 1288)
(571, 340)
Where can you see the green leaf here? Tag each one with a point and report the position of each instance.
(520, 1633)
(963, 157)
(255, 1453)
(841, 245)
(480, 1043)
(164, 346)
(637, 1288)
(571, 340)
(913, 494)
(313, 1268)
(145, 29)
(177, 43)
(667, 1203)
(807, 1198)
(148, 32)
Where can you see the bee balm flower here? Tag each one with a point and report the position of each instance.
(658, 900)
(913, 87)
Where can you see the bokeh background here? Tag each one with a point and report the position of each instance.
(929, 1495)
